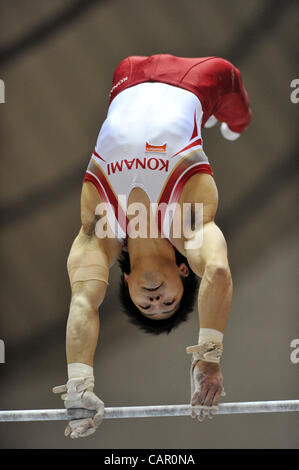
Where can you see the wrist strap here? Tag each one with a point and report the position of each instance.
(78, 369)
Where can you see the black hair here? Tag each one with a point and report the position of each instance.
(156, 327)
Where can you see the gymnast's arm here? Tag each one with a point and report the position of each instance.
(88, 264)
(206, 252)
(88, 272)
(88, 267)
(214, 300)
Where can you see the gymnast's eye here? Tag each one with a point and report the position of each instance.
(168, 303)
(145, 308)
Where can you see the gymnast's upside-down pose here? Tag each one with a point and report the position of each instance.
(149, 155)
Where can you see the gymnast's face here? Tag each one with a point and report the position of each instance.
(156, 288)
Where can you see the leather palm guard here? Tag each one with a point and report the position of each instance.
(209, 352)
(73, 391)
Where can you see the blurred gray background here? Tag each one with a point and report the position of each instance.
(57, 59)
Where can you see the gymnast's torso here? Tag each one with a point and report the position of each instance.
(151, 138)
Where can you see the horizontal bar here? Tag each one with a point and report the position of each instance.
(278, 406)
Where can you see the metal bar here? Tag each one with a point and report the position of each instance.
(278, 406)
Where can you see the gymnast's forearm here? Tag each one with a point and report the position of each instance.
(214, 300)
(215, 297)
(82, 331)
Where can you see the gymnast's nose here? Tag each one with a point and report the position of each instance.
(154, 298)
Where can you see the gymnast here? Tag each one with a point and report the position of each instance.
(149, 201)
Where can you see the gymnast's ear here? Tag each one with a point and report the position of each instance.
(126, 276)
(184, 271)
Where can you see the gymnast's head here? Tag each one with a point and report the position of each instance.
(157, 294)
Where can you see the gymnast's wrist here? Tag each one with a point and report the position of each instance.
(77, 371)
(209, 347)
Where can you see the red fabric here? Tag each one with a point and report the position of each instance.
(215, 81)
(103, 187)
(204, 168)
(97, 155)
(194, 144)
(165, 196)
(195, 130)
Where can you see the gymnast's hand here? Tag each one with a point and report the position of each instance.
(79, 394)
(207, 389)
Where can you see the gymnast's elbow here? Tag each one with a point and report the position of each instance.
(87, 297)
